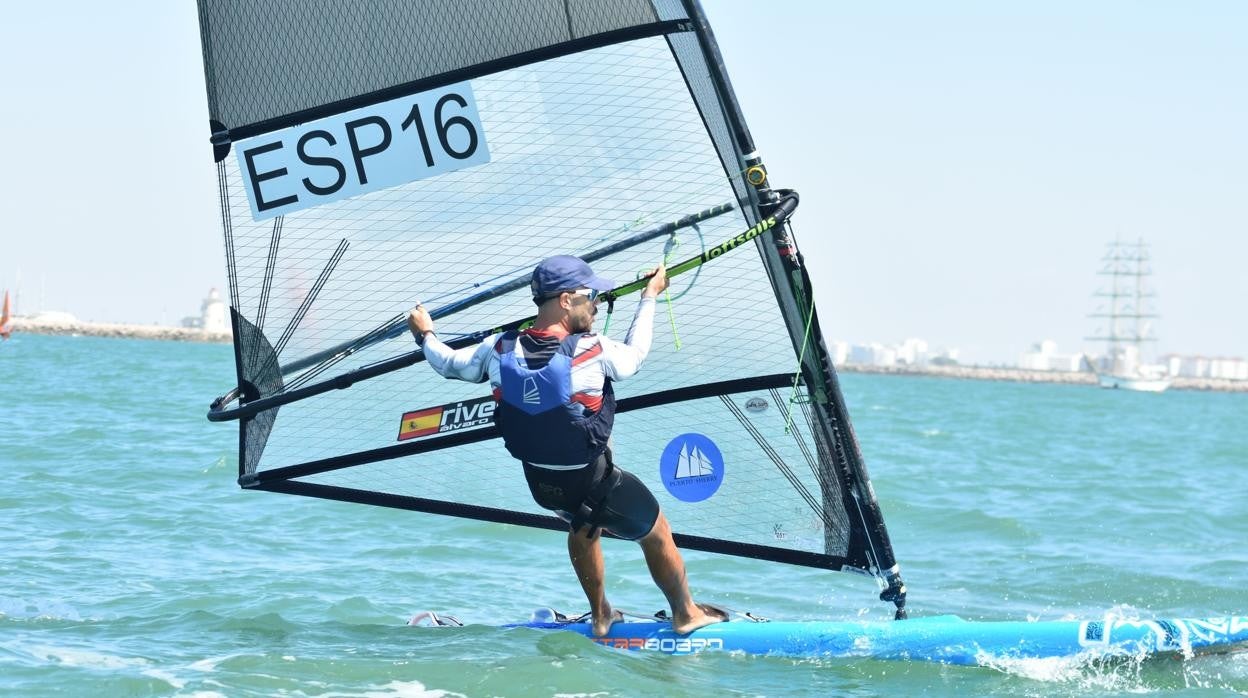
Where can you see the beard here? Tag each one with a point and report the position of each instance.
(583, 321)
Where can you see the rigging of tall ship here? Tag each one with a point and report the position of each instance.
(1128, 320)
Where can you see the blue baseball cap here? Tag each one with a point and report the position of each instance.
(565, 273)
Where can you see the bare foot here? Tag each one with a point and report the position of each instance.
(603, 623)
(707, 615)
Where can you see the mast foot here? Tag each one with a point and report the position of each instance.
(896, 592)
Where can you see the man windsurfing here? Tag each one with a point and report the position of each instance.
(555, 413)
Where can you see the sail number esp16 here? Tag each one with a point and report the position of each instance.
(362, 150)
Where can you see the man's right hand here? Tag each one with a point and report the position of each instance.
(658, 283)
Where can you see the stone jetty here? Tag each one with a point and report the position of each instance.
(61, 326)
(992, 373)
(1022, 375)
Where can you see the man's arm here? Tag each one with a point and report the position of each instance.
(468, 364)
(621, 360)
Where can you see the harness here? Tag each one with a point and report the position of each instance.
(541, 419)
(589, 511)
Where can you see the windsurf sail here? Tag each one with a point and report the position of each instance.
(6, 320)
(373, 154)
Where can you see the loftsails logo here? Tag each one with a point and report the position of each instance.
(446, 418)
(691, 467)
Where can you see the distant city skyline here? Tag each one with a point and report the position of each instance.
(961, 165)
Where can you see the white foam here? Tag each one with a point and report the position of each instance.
(1087, 670)
(37, 610)
(86, 659)
(165, 676)
(210, 663)
(401, 689)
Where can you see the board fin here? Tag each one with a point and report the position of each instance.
(434, 620)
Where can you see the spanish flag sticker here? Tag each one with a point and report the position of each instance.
(420, 423)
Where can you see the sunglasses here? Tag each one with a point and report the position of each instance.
(594, 296)
(590, 293)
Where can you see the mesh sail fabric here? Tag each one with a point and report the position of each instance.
(585, 150)
(768, 483)
(337, 51)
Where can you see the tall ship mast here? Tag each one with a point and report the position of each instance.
(1128, 319)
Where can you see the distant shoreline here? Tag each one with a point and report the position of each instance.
(991, 373)
(1023, 375)
(119, 330)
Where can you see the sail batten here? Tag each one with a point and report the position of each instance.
(362, 181)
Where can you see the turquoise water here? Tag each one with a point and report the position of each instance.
(131, 564)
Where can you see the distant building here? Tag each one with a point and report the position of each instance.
(53, 317)
(1234, 369)
(840, 352)
(873, 354)
(1187, 366)
(213, 315)
(1206, 367)
(1045, 357)
(911, 352)
(945, 356)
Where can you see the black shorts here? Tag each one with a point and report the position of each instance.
(628, 510)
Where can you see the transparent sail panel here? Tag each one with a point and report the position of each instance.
(721, 467)
(584, 151)
(270, 58)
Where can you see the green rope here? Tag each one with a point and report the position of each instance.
(669, 250)
(667, 293)
(801, 356)
(671, 317)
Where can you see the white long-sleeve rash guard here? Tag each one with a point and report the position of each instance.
(617, 361)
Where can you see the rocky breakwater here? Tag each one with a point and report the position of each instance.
(992, 373)
(1021, 375)
(64, 326)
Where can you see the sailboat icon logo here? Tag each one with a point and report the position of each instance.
(692, 463)
(691, 467)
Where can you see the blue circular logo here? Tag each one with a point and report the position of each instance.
(692, 468)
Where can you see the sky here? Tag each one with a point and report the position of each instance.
(962, 164)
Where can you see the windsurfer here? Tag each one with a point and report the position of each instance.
(555, 412)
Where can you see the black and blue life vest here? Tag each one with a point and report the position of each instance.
(542, 421)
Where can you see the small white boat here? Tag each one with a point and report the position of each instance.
(1143, 384)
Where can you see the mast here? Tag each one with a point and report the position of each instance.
(793, 289)
(1129, 314)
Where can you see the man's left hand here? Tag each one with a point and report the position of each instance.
(419, 322)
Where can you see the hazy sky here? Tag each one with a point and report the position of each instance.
(961, 164)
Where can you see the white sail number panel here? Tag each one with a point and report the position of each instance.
(362, 150)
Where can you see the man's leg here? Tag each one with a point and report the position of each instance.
(586, 556)
(668, 570)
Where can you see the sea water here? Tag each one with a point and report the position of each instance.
(132, 564)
